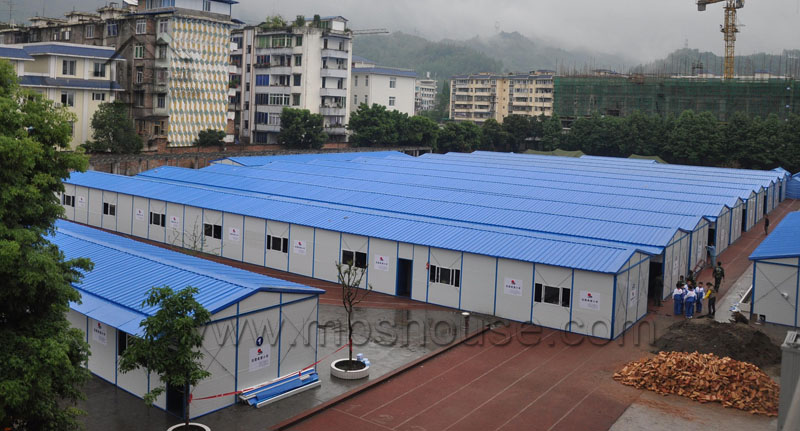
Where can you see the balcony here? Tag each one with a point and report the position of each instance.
(235, 68)
(275, 51)
(337, 111)
(333, 92)
(279, 89)
(268, 127)
(334, 73)
(335, 129)
(280, 70)
(334, 53)
(261, 65)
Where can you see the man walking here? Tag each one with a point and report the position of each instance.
(711, 295)
(719, 275)
(766, 225)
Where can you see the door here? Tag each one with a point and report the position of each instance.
(404, 277)
(174, 401)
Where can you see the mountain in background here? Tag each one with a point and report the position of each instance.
(683, 61)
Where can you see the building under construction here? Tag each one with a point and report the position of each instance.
(580, 96)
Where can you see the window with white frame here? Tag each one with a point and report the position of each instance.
(138, 51)
(161, 100)
(552, 295)
(68, 67)
(141, 26)
(99, 70)
(392, 82)
(163, 26)
(68, 200)
(445, 275)
(355, 81)
(366, 100)
(207, 5)
(391, 100)
(100, 97)
(109, 209)
(212, 230)
(68, 98)
(112, 28)
(89, 31)
(139, 75)
(277, 243)
(161, 52)
(354, 258)
(158, 219)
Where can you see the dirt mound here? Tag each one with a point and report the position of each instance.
(705, 378)
(734, 340)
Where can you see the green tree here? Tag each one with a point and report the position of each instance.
(209, 138)
(41, 358)
(519, 130)
(493, 136)
(552, 134)
(171, 342)
(273, 22)
(695, 139)
(441, 108)
(419, 131)
(113, 130)
(300, 21)
(301, 129)
(373, 126)
(462, 137)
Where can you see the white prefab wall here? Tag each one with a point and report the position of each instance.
(722, 228)
(232, 236)
(631, 292)
(212, 245)
(356, 243)
(95, 205)
(155, 231)
(124, 213)
(443, 293)
(109, 221)
(81, 204)
(301, 250)
(544, 314)
(254, 240)
(382, 263)
(675, 261)
(326, 254)
(699, 241)
(477, 288)
(775, 290)
(514, 293)
(593, 318)
(277, 259)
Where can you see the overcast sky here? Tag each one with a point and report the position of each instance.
(639, 29)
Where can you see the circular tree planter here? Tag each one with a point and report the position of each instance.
(349, 370)
(192, 427)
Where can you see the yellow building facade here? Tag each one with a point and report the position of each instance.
(483, 96)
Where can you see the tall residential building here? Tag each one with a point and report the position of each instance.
(304, 67)
(175, 77)
(77, 77)
(480, 97)
(425, 94)
(391, 87)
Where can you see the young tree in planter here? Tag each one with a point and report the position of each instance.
(170, 346)
(350, 277)
(113, 130)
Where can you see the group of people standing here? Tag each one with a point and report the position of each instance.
(689, 295)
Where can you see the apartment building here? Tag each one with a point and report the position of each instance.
(425, 94)
(299, 66)
(77, 77)
(175, 73)
(391, 87)
(482, 96)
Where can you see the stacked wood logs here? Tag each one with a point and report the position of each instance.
(705, 378)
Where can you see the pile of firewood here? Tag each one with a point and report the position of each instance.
(705, 378)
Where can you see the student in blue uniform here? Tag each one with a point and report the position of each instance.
(677, 298)
(689, 302)
(701, 293)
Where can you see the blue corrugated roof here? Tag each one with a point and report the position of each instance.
(15, 53)
(783, 242)
(125, 270)
(263, 160)
(88, 84)
(71, 50)
(547, 249)
(438, 204)
(380, 70)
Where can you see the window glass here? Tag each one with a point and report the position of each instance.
(551, 295)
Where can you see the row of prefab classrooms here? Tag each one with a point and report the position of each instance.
(553, 287)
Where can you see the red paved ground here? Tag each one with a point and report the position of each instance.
(563, 382)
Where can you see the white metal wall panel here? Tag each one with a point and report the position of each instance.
(232, 236)
(212, 245)
(174, 224)
(193, 228)
(699, 243)
(82, 204)
(723, 226)
(161, 401)
(219, 358)
(78, 321)
(254, 237)
(405, 251)
(382, 263)
(644, 281)
(444, 293)
(419, 283)
(775, 290)
(326, 254)
(140, 217)
(156, 232)
(620, 303)
(585, 319)
(102, 360)
(109, 221)
(95, 205)
(301, 250)
(298, 336)
(478, 281)
(510, 303)
(124, 213)
(356, 243)
(258, 301)
(264, 324)
(134, 381)
(550, 315)
(69, 211)
(275, 258)
(760, 208)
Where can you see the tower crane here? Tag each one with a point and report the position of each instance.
(728, 29)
